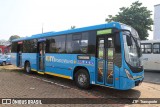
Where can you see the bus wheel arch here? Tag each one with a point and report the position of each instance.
(27, 67)
(81, 77)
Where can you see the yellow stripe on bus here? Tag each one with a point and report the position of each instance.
(58, 75)
(34, 70)
(40, 72)
(49, 73)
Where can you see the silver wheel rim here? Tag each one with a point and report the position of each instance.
(27, 68)
(82, 79)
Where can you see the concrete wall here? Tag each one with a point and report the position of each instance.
(156, 28)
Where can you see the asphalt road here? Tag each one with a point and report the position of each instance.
(152, 76)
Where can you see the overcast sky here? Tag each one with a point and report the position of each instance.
(26, 17)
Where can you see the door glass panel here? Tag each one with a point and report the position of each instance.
(110, 56)
(105, 61)
(100, 70)
(100, 59)
(41, 55)
(20, 55)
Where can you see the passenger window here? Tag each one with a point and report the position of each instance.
(76, 46)
(156, 48)
(146, 48)
(57, 44)
(142, 48)
(84, 42)
(77, 43)
(69, 44)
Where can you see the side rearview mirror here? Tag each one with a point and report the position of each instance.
(129, 40)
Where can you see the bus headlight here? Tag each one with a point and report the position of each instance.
(128, 74)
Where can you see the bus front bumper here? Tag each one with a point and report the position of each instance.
(138, 82)
(126, 83)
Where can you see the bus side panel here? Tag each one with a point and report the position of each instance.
(151, 61)
(59, 64)
(14, 59)
(91, 67)
(32, 58)
(148, 61)
(116, 77)
(64, 64)
(155, 61)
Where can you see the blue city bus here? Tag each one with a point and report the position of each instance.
(108, 55)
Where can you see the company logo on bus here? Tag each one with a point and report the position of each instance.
(53, 59)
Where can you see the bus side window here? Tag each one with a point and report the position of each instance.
(146, 48)
(76, 43)
(142, 48)
(156, 48)
(84, 42)
(56, 44)
(69, 44)
(76, 46)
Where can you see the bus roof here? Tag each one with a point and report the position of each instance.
(47, 34)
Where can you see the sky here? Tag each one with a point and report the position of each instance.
(26, 17)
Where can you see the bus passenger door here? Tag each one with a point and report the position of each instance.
(41, 56)
(19, 54)
(104, 53)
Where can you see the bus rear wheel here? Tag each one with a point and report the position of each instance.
(27, 68)
(82, 79)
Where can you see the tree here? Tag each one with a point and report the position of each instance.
(13, 37)
(137, 16)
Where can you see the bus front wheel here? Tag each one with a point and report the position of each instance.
(27, 68)
(82, 79)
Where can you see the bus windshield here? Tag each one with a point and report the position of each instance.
(132, 53)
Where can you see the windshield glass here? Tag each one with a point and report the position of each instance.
(132, 53)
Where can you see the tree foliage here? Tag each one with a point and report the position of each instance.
(13, 37)
(137, 16)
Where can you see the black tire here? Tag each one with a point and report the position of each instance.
(82, 79)
(3, 63)
(27, 68)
